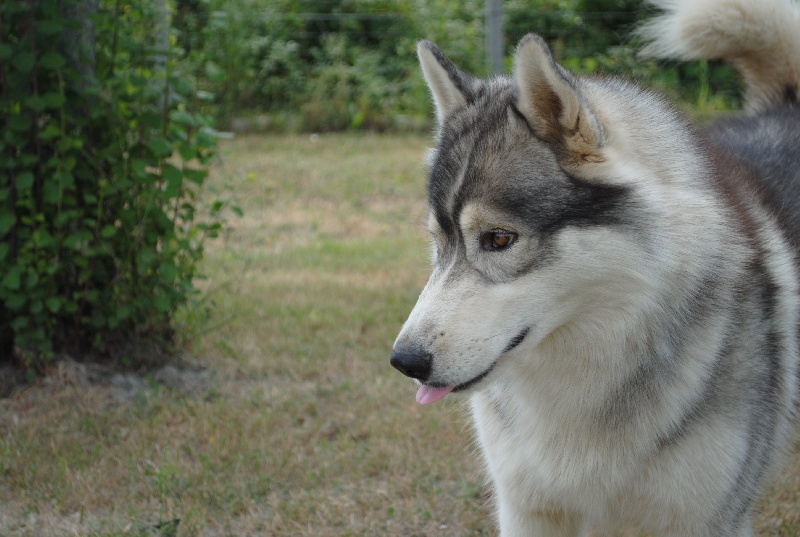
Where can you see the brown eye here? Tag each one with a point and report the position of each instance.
(497, 239)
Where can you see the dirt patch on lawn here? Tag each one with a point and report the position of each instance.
(118, 384)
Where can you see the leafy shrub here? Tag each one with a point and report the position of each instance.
(350, 64)
(102, 156)
(347, 90)
(335, 64)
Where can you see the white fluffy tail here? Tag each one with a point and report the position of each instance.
(761, 38)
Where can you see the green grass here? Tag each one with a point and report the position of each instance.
(300, 427)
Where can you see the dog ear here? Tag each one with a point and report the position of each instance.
(550, 100)
(450, 87)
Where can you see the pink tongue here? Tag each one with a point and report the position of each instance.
(427, 394)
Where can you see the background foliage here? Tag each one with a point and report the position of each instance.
(350, 64)
(101, 157)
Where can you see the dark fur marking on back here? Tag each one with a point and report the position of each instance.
(756, 160)
(768, 386)
(759, 157)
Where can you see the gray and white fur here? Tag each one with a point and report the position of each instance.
(615, 290)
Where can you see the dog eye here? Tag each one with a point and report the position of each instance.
(497, 239)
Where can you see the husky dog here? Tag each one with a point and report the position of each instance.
(617, 291)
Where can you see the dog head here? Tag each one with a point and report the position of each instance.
(532, 209)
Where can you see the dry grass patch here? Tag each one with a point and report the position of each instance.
(299, 426)
(285, 419)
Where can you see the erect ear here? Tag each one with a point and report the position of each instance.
(451, 88)
(551, 101)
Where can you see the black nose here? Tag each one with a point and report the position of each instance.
(412, 363)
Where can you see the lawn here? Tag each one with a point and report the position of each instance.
(282, 417)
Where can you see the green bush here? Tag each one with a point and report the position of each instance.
(102, 156)
(350, 64)
(333, 64)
